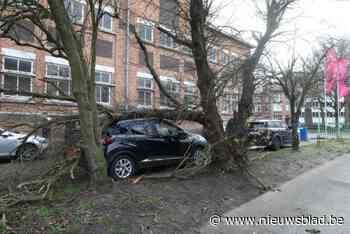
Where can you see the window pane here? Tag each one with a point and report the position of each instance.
(98, 93)
(52, 69)
(25, 66)
(105, 77)
(141, 97)
(51, 89)
(105, 94)
(107, 21)
(24, 84)
(77, 11)
(64, 86)
(148, 98)
(11, 64)
(64, 71)
(10, 82)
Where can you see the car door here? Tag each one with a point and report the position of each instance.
(8, 144)
(174, 142)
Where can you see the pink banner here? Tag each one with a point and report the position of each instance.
(330, 70)
(336, 69)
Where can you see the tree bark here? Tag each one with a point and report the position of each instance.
(81, 85)
(295, 124)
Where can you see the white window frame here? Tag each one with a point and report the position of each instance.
(77, 21)
(17, 73)
(225, 57)
(146, 89)
(58, 78)
(146, 23)
(107, 11)
(229, 99)
(170, 39)
(108, 84)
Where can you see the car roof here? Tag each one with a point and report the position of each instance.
(140, 119)
(265, 120)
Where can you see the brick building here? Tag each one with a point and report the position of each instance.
(122, 79)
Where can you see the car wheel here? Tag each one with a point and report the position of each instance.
(122, 167)
(27, 152)
(276, 143)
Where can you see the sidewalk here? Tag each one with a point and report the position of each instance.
(322, 191)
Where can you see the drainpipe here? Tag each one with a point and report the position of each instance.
(126, 59)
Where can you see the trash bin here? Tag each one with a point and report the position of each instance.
(303, 134)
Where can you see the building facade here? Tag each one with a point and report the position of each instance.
(122, 78)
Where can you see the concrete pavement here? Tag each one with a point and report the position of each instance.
(322, 191)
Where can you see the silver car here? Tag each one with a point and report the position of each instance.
(12, 145)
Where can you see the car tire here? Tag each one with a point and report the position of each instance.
(122, 167)
(27, 152)
(276, 143)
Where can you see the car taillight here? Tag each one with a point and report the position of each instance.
(107, 140)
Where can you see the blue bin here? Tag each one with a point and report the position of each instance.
(303, 134)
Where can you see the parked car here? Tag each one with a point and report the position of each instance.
(270, 133)
(142, 143)
(12, 145)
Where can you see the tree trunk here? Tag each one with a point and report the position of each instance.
(245, 105)
(295, 124)
(347, 111)
(213, 125)
(81, 84)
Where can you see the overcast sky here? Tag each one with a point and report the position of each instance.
(308, 20)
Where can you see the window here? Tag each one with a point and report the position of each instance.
(224, 57)
(75, 9)
(103, 82)
(167, 41)
(169, 13)
(229, 103)
(277, 115)
(145, 91)
(190, 94)
(187, 50)
(104, 48)
(173, 88)
(58, 79)
(142, 59)
(213, 56)
(165, 129)
(257, 107)
(169, 63)
(146, 30)
(277, 98)
(189, 67)
(17, 75)
(22, 31)
(106, 22)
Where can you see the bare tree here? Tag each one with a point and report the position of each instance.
(198, 34)
(273, 13)
(297, 80)
(53, 26)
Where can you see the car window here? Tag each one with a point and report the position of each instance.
(165, 129)
(257, 125)
(143, 128)
(275, 124)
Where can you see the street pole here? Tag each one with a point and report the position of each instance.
(338, 109)
(325, 108)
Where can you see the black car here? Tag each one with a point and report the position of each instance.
(138, 143)
(270, 133)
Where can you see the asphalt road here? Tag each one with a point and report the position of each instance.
(315, 196)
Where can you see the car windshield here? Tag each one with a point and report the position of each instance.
(257, 125)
